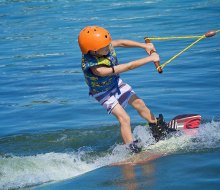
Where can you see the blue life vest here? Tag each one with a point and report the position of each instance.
(97, 83)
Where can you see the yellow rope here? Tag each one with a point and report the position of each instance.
(178, 37)
(175, 56)
(175, 37)
(172, 37)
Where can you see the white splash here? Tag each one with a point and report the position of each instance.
(23, 171)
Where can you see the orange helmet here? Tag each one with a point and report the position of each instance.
(93, 38)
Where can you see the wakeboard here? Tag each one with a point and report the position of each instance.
(184, 122)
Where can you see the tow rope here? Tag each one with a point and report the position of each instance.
(199, 38)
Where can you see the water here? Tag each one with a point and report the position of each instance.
(51, 130)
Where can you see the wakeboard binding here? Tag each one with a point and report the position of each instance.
(134, 147)
(181, 122)
(160, 129)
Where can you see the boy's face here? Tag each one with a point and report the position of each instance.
(103, 51)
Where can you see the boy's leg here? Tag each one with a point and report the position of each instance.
(142, 109)
(124, 120)
(158, 126)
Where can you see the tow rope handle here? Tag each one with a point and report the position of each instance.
(157, 63)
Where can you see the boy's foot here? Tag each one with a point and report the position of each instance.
(160, 129)
(134, 147)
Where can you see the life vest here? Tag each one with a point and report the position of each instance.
(97, 83)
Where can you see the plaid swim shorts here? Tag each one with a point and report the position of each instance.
(109, 99)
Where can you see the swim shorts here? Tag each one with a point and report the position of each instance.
(121, 95)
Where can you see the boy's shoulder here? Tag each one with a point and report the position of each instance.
(88, 61)
(91, 61)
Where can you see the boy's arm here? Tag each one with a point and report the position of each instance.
(106, 71)
(130, 44)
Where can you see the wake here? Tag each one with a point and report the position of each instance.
(25, 171)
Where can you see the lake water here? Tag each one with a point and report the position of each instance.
(53, 133)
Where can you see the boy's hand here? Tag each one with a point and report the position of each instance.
(155, 57)
(149, 47)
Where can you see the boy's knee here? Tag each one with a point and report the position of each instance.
(124, 119)
(139, 104)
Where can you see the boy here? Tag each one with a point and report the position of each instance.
(101, 70)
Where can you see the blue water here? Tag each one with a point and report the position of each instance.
(51, 130)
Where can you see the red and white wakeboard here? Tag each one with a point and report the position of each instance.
(184, 122)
